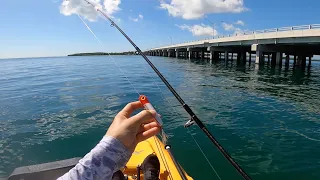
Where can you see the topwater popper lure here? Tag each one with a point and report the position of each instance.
(148, 106)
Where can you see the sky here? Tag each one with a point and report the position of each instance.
(41, 28)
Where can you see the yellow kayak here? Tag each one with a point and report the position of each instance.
(169, 170)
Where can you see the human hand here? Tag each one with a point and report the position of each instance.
(132, 130)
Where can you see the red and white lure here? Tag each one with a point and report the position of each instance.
(148, 106)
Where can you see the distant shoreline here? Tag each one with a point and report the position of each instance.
(103, 53)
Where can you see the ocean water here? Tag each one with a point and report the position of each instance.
(267, 119)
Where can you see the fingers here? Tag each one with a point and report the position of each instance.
(129, 108)
(148, 134)
(148, 126)
(144, 116)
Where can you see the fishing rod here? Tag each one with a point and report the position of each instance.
(194, 118)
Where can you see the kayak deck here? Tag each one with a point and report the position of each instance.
(168, 169)
(53, 170)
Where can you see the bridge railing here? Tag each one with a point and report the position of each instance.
(292, 28)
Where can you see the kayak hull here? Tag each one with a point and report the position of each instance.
(169, 169)
(47, 171)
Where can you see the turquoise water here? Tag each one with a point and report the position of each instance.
(268, 119)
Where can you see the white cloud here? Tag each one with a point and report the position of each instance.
(239, 22)
(134, 19)
(139, 18)
(82, 8)
(194, 9)
(111, 6)
(199, 30)
(228, 27)
(238, 31)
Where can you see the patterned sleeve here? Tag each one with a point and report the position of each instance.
(101, 162)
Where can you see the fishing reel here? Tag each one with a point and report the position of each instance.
(189, 123)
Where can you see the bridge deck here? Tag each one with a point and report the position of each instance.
(299, 41)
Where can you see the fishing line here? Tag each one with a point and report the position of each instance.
(203, 154)
(161, 92)
(176, 112)
(131, 84)
(194, 117)
(89, 29)
(163, 134)
(207, 159)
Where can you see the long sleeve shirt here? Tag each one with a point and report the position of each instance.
(101, 162)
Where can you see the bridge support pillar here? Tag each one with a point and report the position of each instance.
(165, 53)
(190, 54)
(202, 54)
(310, 59)
(214, 55)
(287, 60)
(244, 57)
(304, 61)
(301, 62)
(238, 57)
(279, 59)
(226, 56)
(177, 54)
(259, 57)
(196, 52)
(273, 59)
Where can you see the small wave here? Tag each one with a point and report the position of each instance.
(303, 135)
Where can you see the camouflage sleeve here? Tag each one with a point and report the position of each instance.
(101, 162)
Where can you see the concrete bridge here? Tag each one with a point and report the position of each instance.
(300, 42)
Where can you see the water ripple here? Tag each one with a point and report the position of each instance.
(267, 119)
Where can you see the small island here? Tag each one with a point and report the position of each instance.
(104, 53)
